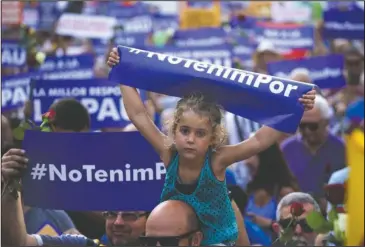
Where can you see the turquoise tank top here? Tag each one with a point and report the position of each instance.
(209, 200)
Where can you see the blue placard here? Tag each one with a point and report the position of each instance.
(91, 171)
(345, 23)
(15, 89)
(262, 98)
(286, 36)
(66, 62)
(101, 98)
(13, 54)
(325, 71)
(200, 37)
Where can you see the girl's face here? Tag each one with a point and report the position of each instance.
(193, 135)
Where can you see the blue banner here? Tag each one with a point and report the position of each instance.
(325, 71)
(101, 98)
(286, 37)
(200, 37)
(262, 98)
(218, 54)
(48, 15)
(13, 54)
(243, 49)
(344, 23)
(53, 63)
(15, 89)
(91, 171)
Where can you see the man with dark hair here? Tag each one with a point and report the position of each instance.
(68, 115)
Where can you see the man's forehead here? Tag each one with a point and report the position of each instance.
(313, 115)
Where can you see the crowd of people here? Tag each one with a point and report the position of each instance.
(229, 181)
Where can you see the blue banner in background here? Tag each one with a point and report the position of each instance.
(262, 98)
(325, 71)
(53, 63)
(219, 54)
(13, 54)
(101, 98)
(244, 49)
(286, 36)
(200, 37)
(343, 23)
(67, 170)
(14, 91)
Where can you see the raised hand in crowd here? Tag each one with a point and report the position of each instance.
(113, 58)
(308, 100)
(13, 163)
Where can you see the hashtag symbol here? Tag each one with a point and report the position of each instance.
(38, 172)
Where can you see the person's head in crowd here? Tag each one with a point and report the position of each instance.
(265, 53)
(272, 174)
(7, 140)
(340, 45)
(354, 65)
(314, 123)
(67, 115)
(124, 228)
(172, 223)
(196, 127)
(302, 233)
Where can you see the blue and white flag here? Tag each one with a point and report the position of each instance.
(325, 71)
(66, 171)
(286, 37)
(101, 98)
(13, 54)
(262, 98)
(345, 23)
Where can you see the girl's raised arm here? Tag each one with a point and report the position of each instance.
(139, 116)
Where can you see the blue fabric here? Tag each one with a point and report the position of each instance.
(104, 240)
(210, 202)
(267, 211)
(67, 240)
(255, 234)
(230, 178)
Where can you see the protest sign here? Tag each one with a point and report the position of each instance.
(200, 37)
(53, 63)
(345, 23)
(101, 98)
(13, 54)
(325, 71)
(262, 98)
(286, 37)
(218, 54)
(291, 11)
(86, 26)
(66, 171)
(15, 89)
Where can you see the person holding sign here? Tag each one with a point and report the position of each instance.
(196, 159)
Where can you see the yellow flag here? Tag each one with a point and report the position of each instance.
(191, 17)
(355, 190)
(48, 230)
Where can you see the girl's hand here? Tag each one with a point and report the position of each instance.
(113, 58)
(308, 100)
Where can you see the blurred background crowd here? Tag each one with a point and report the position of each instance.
(62, 36)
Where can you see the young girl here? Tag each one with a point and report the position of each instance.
(196, 159)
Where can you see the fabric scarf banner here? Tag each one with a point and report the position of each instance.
(91, 171)
(53, 63)
(15, 90)
(325, 71)
(100, 97)
(218, 55)
(286, 36)
(262, 98)
(12, 54)
(344, 23)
